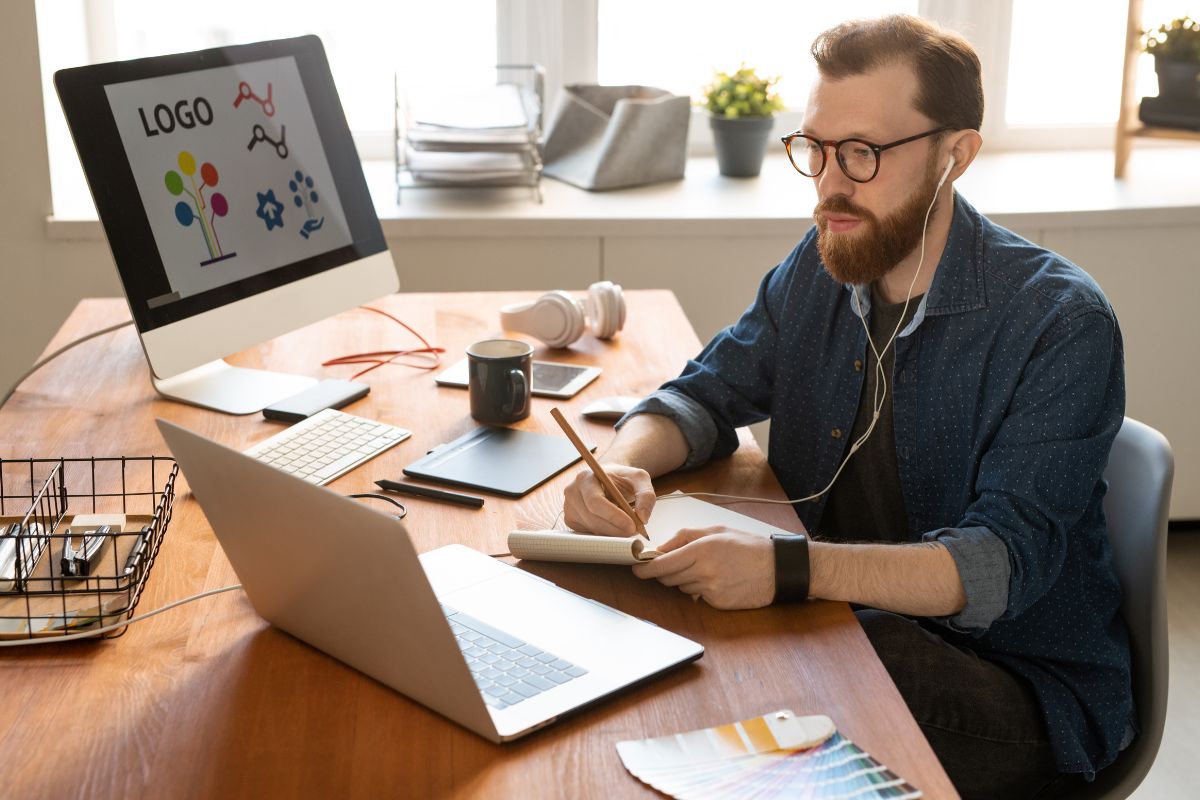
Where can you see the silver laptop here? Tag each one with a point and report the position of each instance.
(496, 649)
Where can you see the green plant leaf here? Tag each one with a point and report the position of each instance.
(741, 94)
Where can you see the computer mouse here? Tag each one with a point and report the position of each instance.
(610, 407)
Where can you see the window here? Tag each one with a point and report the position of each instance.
(1052, 71)
(1069, 71)
(771, 36)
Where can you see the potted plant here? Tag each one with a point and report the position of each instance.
(1176, 49)
(741, 107)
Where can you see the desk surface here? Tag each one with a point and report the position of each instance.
(208, 700)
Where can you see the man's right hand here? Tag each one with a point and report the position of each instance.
(587, 509)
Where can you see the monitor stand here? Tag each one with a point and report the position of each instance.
(233, 390)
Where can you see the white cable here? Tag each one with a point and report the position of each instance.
(59, 352)
(89, 634)
(880, 383)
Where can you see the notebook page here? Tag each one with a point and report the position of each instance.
(673, 512)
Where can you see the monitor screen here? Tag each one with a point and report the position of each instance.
(246, 190)
(237, 173)
(231, 194)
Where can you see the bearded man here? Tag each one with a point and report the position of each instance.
(943, 396)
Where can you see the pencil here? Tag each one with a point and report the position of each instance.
(610, 488)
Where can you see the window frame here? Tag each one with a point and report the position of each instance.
(572, 58)
(562, 35)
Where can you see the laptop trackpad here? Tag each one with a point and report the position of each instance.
(550, 617)
(579, 630)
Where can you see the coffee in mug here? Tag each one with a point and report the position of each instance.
(499, 378)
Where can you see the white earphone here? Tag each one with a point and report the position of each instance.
(558, 319)
(946, 171)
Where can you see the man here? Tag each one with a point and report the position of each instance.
(965, 435)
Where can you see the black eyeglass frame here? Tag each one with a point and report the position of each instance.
(877, 149)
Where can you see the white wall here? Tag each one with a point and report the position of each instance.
(26, 320)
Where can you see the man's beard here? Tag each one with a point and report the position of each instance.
(875, 247)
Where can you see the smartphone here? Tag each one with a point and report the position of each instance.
(550, 378)
(326, 394)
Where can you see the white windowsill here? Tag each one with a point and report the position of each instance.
(1044, 190)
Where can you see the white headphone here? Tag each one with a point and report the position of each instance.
(558, 319)
(945, 172)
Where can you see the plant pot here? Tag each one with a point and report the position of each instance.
(1177, 79)
(741, 144)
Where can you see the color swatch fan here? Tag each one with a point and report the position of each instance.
(775, 755)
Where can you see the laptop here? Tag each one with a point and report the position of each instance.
(496, 649)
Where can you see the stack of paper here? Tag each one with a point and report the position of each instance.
(474, 135)
(488, 109)
(775, 755)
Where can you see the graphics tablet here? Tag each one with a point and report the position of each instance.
(502, 460)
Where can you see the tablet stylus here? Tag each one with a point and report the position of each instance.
(432, 494)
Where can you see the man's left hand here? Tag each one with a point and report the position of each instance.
(729, 569)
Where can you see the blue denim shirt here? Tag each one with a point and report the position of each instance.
(1007, 392)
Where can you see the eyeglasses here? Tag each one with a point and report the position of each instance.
(859, 159)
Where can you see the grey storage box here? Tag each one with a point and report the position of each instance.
(611, 137)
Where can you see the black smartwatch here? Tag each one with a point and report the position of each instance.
(791, 567)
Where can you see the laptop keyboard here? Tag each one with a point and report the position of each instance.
(506, 669)
(327, 445)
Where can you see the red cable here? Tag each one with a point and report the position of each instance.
(381, 357)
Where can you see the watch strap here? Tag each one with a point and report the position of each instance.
(791, 567)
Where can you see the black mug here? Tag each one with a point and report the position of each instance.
(499, 377)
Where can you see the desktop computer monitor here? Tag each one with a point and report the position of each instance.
(235, 205)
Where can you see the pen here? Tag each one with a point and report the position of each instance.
(432, 494)
(609, 487)
(135, 551)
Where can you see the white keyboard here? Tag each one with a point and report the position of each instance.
(327, 445)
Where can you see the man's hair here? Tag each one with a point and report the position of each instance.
(950, 88)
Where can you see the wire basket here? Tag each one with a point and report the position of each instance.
(78, 537)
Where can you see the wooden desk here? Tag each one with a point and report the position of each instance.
(207, 700)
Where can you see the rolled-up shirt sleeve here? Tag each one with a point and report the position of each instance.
(692, 419)
(982, 561)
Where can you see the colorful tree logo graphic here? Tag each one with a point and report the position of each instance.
(187, 214)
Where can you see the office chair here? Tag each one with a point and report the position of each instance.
(1139, 473)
